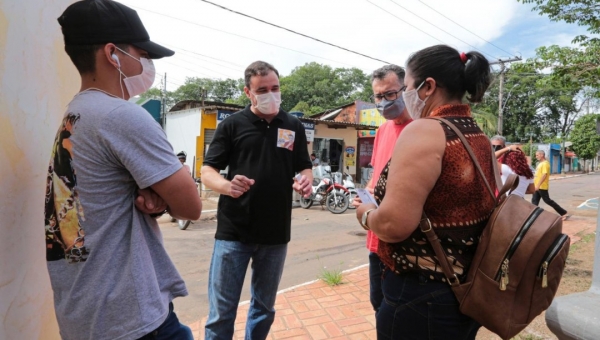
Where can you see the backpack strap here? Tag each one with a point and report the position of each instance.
(425, 224)
(433, 239)
(471, 154)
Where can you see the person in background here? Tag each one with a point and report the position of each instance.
(264, 148)
(512, 160)
(499, 145)
(388, 85)
(182, 156)
(314, 159)
(110, 273)
(542, 184)
(515, 162)
(431, 172)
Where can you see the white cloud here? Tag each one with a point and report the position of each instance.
(356, 25)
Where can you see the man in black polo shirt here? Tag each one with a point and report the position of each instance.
(264, 148)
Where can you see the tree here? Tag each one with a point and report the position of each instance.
(218, 90)
(156, 93)
(520, 107)
(585, 138)
(570, 65)
(319, 87)
(580, 12)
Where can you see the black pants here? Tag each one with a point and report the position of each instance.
(543, 194)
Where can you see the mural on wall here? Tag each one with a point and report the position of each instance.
(65, 239)
(369, 117)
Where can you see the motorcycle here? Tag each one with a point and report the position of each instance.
(348, 183)
(327, 192)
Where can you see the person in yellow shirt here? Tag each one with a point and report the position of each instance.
(541, 182)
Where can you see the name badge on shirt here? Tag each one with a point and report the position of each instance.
(285, 139)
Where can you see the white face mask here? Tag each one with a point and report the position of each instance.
(141, 83)
(268, 103)
(414, 104)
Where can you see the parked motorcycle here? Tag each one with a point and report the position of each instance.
(348, 183)
(327, 192)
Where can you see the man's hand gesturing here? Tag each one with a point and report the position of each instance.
(239, 185)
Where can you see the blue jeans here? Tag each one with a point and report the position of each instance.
(170, 329)
(417, 308)
(375, 273)
(227, 271)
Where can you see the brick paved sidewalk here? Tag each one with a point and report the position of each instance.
(317, 311)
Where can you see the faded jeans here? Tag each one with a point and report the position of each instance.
(227, 271)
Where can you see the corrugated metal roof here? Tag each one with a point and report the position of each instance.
(206, 104)
(334, 124)
(331, 115)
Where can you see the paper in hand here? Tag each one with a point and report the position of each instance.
(365, 196)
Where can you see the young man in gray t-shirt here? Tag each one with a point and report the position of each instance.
(111, 166)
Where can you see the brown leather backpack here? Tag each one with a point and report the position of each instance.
(518, 263)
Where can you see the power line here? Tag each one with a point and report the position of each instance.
(203, 55)
(294, 32)
(244, 37)
(199, 59)
(395, 16)
(503, 50)
(189, 69)
(455, 37)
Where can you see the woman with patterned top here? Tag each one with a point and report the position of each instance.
(431, 172)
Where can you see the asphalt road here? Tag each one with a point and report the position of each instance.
(320, 240)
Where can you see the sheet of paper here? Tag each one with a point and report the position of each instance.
(365, 196)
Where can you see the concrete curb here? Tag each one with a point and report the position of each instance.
(569, 176)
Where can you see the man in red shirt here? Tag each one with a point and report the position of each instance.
(388, 85)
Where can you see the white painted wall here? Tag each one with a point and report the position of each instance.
(349, 135)
(37, 80)
(183, 127)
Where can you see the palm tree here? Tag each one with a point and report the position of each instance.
(486, 120)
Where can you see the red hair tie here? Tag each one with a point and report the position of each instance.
(463, 58)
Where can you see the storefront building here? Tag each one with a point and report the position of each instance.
(190, 127)
(366, 120)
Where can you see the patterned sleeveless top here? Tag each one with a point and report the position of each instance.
(458, 206)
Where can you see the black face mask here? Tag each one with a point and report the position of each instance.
(497, 147)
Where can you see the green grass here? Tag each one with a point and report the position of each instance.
(528, 337)
(585, 238)
(588, 237)
(332, 277)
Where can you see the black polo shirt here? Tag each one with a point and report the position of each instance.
(270, 154)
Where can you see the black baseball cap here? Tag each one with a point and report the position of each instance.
(91, 22)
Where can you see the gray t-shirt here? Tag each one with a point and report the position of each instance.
(110, 273)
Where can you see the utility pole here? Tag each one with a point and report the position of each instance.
(502, 63)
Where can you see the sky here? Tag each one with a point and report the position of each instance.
(211, 42)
